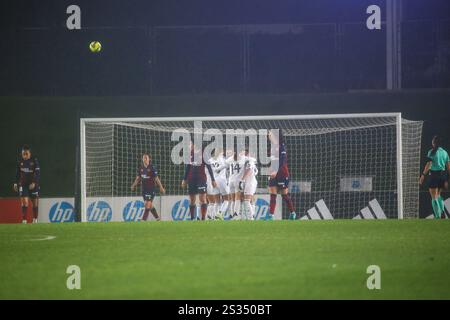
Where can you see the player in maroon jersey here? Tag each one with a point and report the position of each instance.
(148, 176)
(195, 180)
(279, 178)
(27, 183)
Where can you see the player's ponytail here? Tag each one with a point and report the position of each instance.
(436, 144)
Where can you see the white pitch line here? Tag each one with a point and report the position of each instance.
(42, 239)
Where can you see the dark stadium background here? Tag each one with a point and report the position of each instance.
(196, 58)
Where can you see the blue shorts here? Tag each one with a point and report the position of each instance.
(24, 191)
(279, 182)
(148, 195)
(195, 187)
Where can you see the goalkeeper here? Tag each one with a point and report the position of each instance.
(148, 176)
(437, 168)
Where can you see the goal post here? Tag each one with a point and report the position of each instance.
(83, 194)
(353, 166)
(399, 165)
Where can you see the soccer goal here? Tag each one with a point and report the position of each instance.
(353, 166)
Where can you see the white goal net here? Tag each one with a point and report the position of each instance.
(354, 166)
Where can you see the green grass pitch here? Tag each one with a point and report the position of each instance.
(227, 260)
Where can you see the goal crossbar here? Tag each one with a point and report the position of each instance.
(243, 118)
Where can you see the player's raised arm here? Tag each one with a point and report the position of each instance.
(275, 155)
(273, 139)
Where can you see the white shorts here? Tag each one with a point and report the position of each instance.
(210, 189)
(222, 185)
(250, 187)
(234, 185)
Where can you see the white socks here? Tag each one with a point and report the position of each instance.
(249, 210)
(237, 206)
(224, 207)
(210, 212)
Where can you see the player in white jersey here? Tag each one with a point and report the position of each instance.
(218, 167)
(236, 163)
(247, 185)
(222, 183)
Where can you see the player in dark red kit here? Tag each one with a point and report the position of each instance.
(27, 183)
(279, 178)
(195, 180)
(148, 176)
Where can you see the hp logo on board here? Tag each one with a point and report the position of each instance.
(99, 211)
(261, 209)
(356, 184)
(61, 212)
(180, 210)
(133, 211)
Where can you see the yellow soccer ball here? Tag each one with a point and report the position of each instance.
(95, 46)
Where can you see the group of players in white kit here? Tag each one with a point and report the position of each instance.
(224, 185)
(236, 183)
